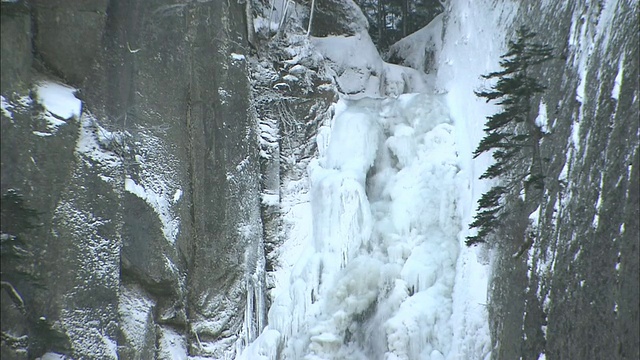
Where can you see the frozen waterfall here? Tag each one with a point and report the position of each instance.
(376, 278)
(373, 264)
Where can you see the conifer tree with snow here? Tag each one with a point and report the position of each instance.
(512, 135)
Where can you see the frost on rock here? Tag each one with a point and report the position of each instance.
(85, 225)
(93, 147)
(88, 334)
(171, 345)
(157, 188)
(97, 262)
(135, 310)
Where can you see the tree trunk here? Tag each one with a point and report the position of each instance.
(405, 17)
(313, 3)
(381, 21)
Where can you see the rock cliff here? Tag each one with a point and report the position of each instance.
(573, 293)
(148, 226)
(141, 218)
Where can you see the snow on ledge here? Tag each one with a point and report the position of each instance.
(58, 99)
(171, 345)
(237, 57)
(59, 102)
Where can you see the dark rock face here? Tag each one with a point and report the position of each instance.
(149, 202)
(337, 17)
(68, 36)
(16, 50)
(575, 295)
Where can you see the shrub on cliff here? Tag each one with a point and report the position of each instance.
(512, 135)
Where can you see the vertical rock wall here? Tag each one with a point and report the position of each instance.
(149, 225)
(573, 294)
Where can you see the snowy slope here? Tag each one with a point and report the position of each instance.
(383, 272)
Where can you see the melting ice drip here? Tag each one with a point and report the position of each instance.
(376, 282)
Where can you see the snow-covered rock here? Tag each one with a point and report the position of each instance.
(419, 50)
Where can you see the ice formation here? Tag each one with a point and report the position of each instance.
(373, 265)
(378, 271)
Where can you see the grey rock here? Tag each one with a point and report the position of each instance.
(580, 301)
(68, 36)
(16, 49)
(152, 197)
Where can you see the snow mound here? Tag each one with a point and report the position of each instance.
(360, 72)
(58, 99)
(420, 49)
(355, 62)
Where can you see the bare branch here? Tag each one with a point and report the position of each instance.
(313, 3)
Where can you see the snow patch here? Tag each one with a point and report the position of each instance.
(238, 57)
(615, 92)
(177, 195)
(58, 99)
(6, 107)
(357, 66)
(51, 355)
(542, 120)
(59, 102)
(596, 215)
(360, 72)
(41, 134)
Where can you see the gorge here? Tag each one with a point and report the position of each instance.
(220, 180)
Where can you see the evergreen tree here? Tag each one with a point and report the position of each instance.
(511, 134)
